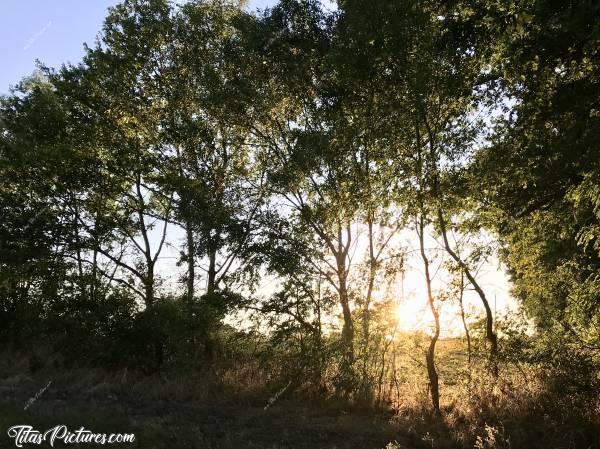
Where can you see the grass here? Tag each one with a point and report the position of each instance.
(181, 411)
(223, 408)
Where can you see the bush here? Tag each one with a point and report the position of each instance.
(174, 333)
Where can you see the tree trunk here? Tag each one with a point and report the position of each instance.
(149, 284)
(463, 318)
(430, 357)
(212, 271)
(489, 324)
(191, 275)
(348, 329)
(366, 315)
(209, 344)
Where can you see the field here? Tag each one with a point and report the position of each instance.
(195, 411)
(226, 408)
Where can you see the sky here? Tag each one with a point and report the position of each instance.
(52, 32)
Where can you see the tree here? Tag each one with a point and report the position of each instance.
(541, 173)
(35, 230)
(220, 189)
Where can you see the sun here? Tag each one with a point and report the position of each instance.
(413, 314)
(412, 311)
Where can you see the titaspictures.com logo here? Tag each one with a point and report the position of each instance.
(25, 434)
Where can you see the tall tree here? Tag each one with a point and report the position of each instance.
(541, 173)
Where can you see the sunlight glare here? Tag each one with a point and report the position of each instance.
(413, 312)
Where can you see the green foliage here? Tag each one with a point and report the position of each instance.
(541, 171)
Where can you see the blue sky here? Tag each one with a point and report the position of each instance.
(51, 31)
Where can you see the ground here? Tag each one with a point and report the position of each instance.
(162, 414)
(225, 408)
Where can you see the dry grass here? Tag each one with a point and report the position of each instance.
(201, 409)
(223, 407)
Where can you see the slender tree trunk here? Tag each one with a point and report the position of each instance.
(463, 317)
(191, 275)
(431, 173)
(76, 221)
(212, 271)
(319, 339)
(430, 357)
(149, 284)
(433, 160)
(367, 312)
(209, 344)
(185, 203)
(148, 279)
(94, 286)
(489, 323)
(348, 328)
